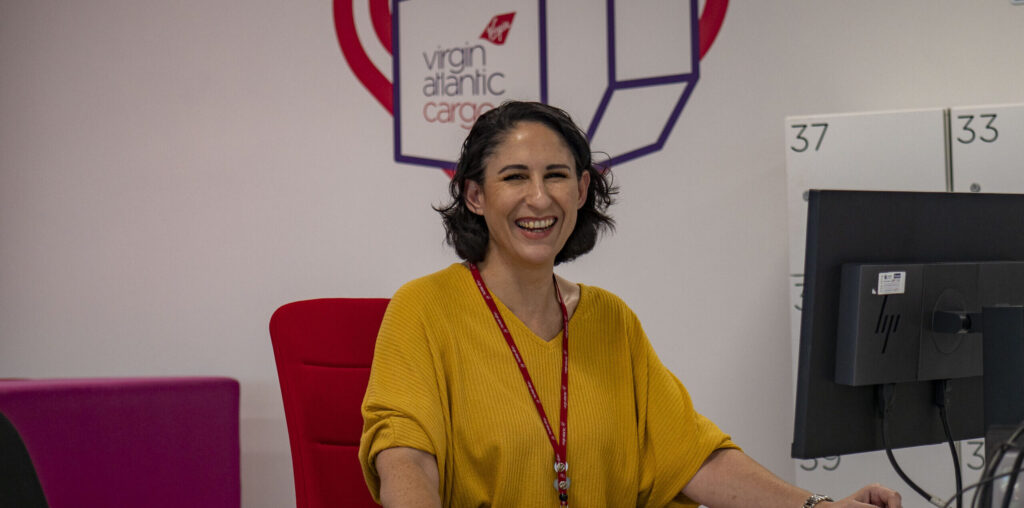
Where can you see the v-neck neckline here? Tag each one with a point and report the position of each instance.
(513, 320)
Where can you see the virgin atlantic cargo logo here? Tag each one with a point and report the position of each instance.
(624, 70)
(457, 86)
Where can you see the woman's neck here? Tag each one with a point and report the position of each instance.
(523, 287)
(529, 292)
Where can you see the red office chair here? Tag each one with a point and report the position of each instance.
(323, 350)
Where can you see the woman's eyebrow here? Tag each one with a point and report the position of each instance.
(549, 167)
(511, 167)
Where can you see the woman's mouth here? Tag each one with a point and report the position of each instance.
(536, 225)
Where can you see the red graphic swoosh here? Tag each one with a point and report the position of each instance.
(710, 23)
(355, 55)
(381, 22)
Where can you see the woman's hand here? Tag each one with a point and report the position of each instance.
(872, 495)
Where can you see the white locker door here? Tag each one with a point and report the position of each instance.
(988, 148)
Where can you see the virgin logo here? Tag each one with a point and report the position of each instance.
(497, 29)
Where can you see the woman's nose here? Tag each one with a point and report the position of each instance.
(538, 195)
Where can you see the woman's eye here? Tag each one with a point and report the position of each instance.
(558, 174)
(514, 176)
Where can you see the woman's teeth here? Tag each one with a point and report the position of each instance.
(535, 224)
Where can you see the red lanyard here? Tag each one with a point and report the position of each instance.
(560, 447)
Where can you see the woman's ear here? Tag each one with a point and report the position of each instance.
(474, 196)
(584, 183)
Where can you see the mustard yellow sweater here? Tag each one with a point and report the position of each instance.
(443, 381)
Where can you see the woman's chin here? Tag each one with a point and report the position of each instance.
(538, 256)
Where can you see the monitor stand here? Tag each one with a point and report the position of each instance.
(1003, 343)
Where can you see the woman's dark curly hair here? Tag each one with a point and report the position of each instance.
(467, 231)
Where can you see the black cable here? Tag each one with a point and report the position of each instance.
(885, 394)
(975, 486)
(1016, 435)
(1016, 464)
(993, 464)
(956, 456)
(1008, 495)
(941, 399)
(986, 475)
(919, 490)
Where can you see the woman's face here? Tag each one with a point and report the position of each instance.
(529, 197)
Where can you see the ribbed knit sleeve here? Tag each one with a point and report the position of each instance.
(402, 406)
(675, 439)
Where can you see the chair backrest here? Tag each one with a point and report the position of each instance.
(323, 350)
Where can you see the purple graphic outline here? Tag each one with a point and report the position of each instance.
(395, 89)
(542, 6)
(689, 79)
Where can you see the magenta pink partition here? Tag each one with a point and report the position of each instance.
(153, 442)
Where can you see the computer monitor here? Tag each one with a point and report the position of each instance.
(895, 287)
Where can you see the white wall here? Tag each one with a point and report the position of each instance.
(172, 172)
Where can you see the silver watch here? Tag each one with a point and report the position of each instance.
(815, 499)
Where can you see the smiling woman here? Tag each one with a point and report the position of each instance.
(467, 229)
(469, 400)
(529, 197)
